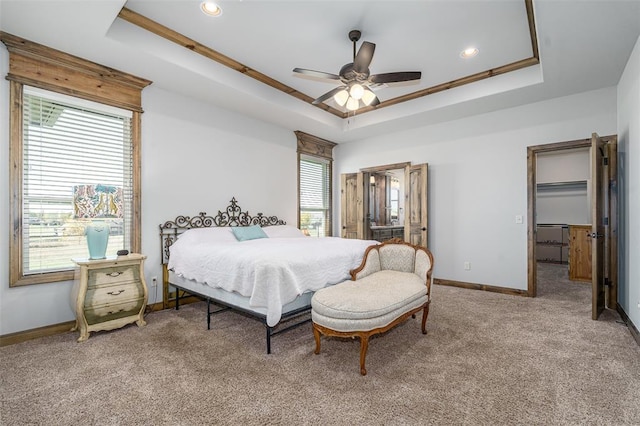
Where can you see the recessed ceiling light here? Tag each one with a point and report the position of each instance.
(210, 8)
(469, 52)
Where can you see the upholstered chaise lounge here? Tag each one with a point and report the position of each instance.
(392, 283)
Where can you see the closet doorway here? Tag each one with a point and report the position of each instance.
(589, 248)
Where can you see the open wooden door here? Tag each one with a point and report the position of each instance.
(611, 209)
(603, 252)
(351, 202)
(416, 205)
(599, 185)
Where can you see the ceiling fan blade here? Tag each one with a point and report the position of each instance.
(395, 77)
(375, 102)
(328, 95)
(317, 74)
(363, 58)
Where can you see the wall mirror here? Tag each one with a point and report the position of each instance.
(384, 202)
(384, 208)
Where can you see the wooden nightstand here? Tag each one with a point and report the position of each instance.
(109, 293)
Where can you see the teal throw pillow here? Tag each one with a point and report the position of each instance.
(244, 233)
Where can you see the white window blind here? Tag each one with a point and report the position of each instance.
(315, 196)
(70, 143)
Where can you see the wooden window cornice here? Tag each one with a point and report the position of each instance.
(313, 145)
(40, 66)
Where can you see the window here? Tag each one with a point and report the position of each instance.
(315, 196)
(74, 130)
(314, 184)
(74, 152)
(394, 199)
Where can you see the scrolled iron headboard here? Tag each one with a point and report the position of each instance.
(232, 216)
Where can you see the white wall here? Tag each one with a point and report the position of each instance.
(563, 206)
(566, 204)
(564, 166)
(194, 158)
(478, 179)
(629, 187)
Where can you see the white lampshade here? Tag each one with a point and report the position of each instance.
(341, 97)
(352, 104)
(367, 97)
(356, 91)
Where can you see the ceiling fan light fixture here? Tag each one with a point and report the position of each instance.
(341, 97)
(352, 104)
(469, 52)
(356, 80)
(210, 8)
(367, 97)
(356, 91)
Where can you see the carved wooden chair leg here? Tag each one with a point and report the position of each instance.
(425, 313)
(364, 345)
(316, 335)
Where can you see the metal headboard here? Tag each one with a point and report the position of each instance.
(232, 216)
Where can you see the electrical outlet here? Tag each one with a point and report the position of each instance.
(154, 281)
(467, 266)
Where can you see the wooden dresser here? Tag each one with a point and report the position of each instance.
(109, 293)
(386, 232)
(580, 252)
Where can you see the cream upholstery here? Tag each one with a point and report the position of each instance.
(392, 283)
(397, 257)
(371, 264)
(369, 298)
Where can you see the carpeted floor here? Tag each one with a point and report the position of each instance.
(489, 359)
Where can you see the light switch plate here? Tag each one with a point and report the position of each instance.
(518, 218)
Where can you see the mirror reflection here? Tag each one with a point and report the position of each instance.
(386, 204)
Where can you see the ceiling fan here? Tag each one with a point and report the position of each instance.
(356, 79)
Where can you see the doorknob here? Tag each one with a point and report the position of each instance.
(423, 229)
(594, 235)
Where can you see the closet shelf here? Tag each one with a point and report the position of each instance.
(574, 185)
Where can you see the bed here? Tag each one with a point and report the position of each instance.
(257, 265)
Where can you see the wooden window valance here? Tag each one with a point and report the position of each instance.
(40, 66)
(313, 145)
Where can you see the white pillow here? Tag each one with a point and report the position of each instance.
(205, 235)
(282, 231)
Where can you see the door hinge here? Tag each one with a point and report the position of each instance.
(607, 282)
(606, 221)
(605, 161)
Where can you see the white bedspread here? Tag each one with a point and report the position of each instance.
(270, 271)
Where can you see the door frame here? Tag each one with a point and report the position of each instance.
(611, 260)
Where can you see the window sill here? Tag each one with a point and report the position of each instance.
(44, 278)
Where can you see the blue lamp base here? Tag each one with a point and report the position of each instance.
(97, 240)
